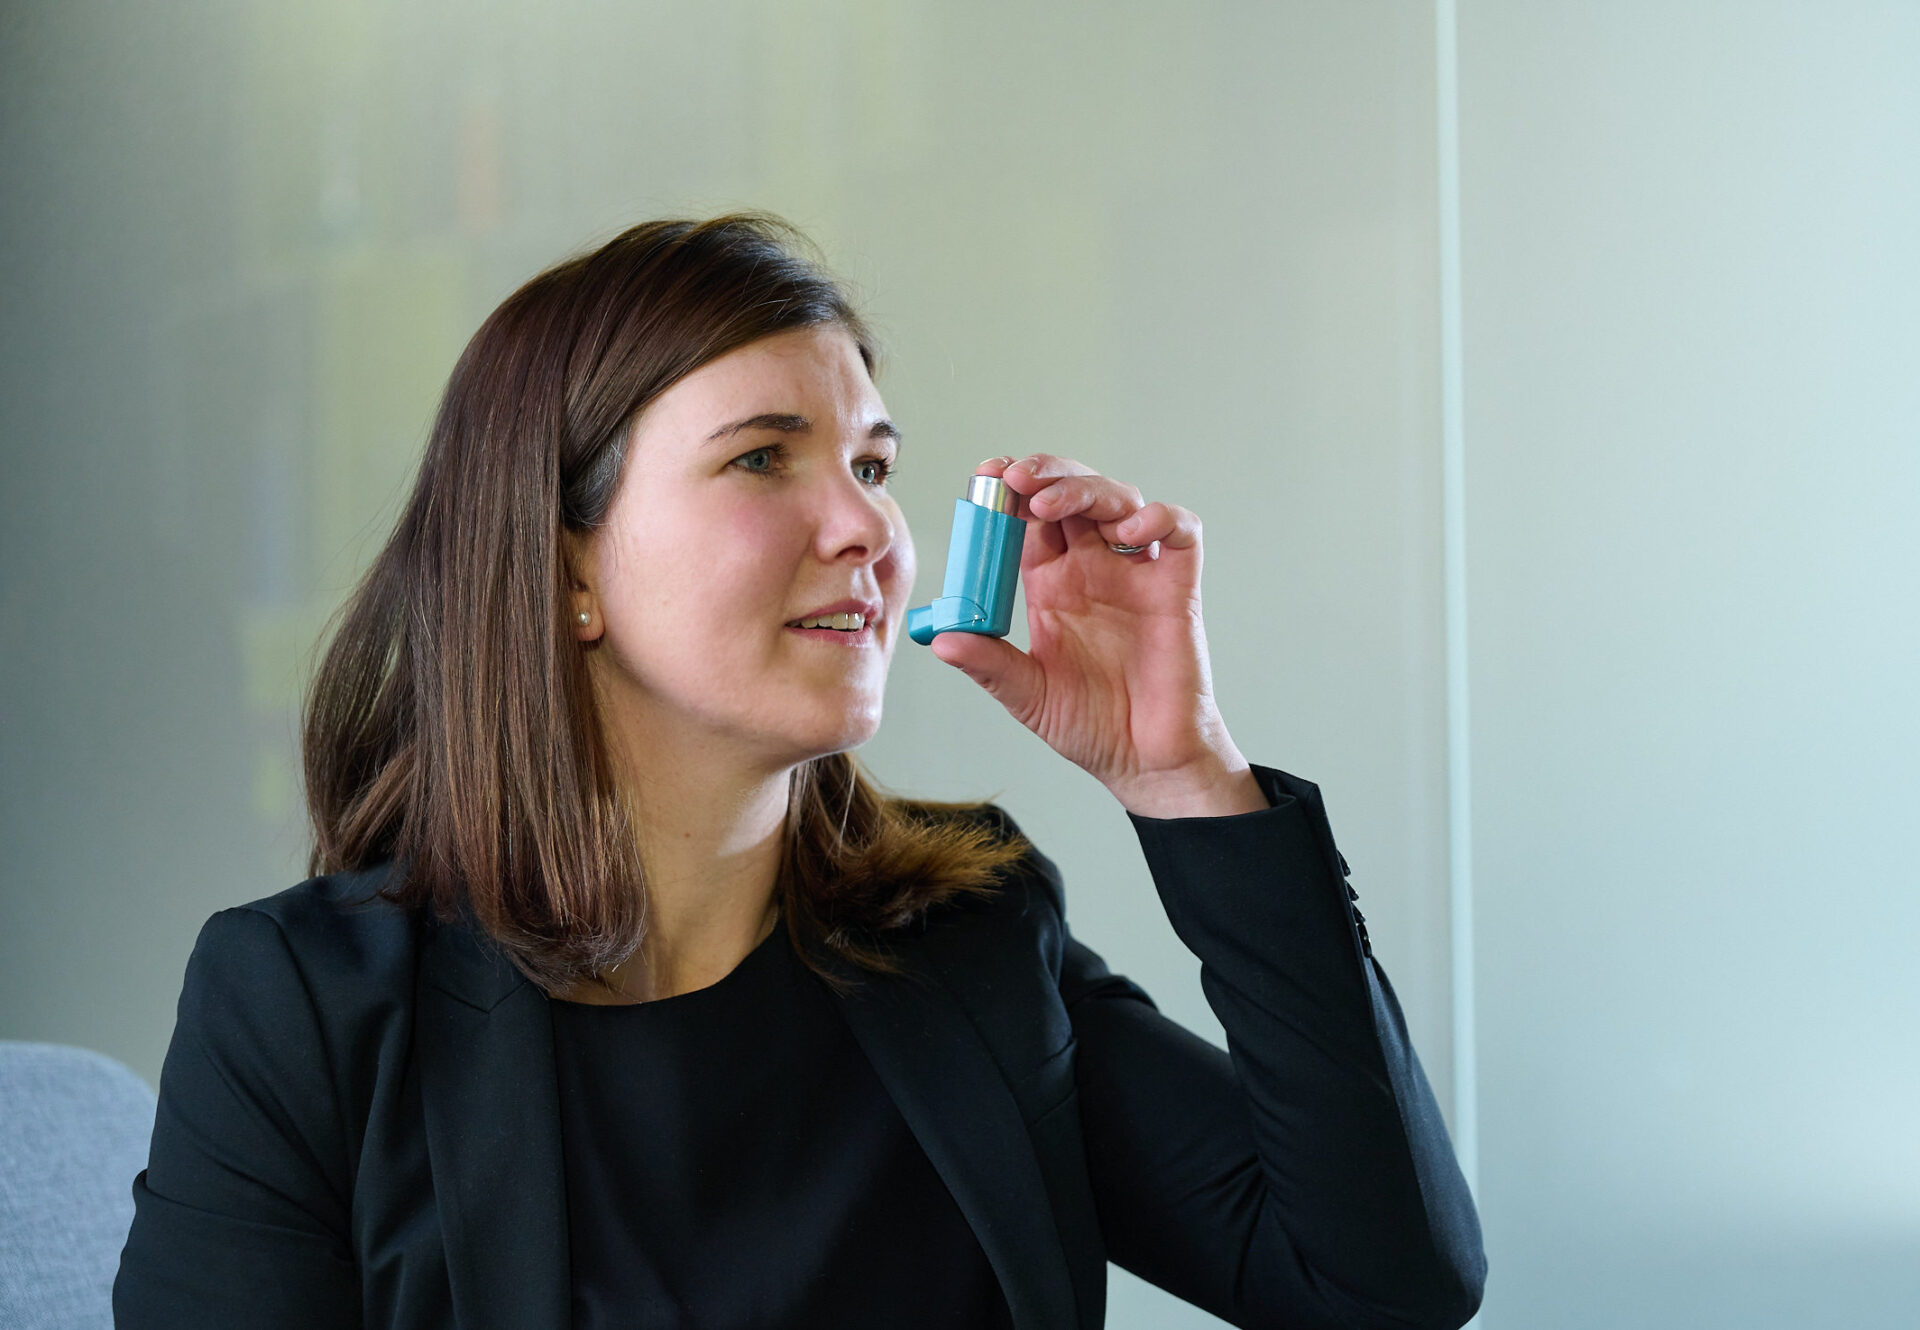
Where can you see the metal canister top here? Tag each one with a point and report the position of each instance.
(992, 492)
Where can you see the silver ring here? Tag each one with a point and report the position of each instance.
(1127, 549)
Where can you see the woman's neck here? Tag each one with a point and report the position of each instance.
(711, 834)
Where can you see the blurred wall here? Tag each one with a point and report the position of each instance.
(244, 243)
(1692, 312)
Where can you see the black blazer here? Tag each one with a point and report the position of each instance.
(358, 1121)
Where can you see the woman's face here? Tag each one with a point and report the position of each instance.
(753, 495)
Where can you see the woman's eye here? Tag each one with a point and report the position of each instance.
(766, 461)
(771, 452)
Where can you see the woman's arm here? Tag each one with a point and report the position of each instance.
(1304, 1178)
(241, 1214)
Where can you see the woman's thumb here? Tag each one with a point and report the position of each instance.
(1007, 673)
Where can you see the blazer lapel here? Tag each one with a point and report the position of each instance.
(947, 1086)
(485, 1050)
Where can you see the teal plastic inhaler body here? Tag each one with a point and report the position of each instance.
(983, 566)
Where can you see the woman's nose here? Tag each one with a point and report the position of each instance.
(857, 523)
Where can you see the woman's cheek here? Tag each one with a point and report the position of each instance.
(901, 557)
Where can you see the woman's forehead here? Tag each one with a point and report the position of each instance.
(811, 374)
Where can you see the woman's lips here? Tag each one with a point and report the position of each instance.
(845, 637)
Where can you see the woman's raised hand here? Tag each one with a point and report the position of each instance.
(1115, 675)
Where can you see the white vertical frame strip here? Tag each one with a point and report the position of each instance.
(1453, 471)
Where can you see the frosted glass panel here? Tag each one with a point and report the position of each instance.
(244, 243)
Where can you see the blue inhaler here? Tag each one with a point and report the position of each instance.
(983, 566)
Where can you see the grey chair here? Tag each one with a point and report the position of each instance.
(74, 1128)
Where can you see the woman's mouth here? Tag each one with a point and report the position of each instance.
(842, 629)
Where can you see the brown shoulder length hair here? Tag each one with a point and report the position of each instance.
(451, 726)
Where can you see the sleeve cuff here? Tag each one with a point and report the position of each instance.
(1274, 861)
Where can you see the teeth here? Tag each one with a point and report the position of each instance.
(844, 622)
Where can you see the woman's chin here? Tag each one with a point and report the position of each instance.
(837, 733)
(857, 734)
(854, 735)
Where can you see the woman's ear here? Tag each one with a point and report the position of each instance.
(587, 623)
(582, 603)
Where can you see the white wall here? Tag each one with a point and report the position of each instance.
(1692, 314)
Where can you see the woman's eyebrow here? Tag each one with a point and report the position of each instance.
(788, 423)
(785, 422)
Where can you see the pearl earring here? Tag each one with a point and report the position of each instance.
(586, 616)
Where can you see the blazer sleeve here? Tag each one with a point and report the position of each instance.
(1303, 1178)
(240, 1217)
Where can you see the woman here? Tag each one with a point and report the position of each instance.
(624, 999)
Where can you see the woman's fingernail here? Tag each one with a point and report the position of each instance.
(1004, 461)
(1031, 463)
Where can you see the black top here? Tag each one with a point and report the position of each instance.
(732, 1160)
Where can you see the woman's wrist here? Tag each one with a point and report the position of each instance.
(1221, 787)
